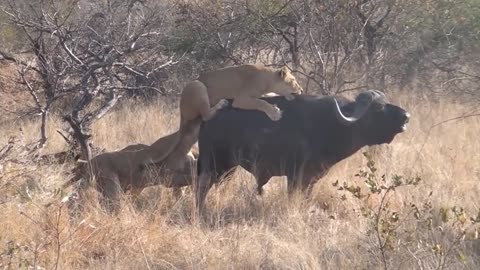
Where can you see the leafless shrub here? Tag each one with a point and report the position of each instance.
(92, 54)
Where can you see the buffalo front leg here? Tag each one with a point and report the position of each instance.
(304, 184)
(296, 180)
(292, 186)
(261, 179)
(251, 103)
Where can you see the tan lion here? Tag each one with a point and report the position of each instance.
(132, 169)
(245, 84)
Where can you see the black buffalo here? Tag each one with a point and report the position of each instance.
(314, 133)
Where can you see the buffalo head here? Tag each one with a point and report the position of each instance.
(376, 120)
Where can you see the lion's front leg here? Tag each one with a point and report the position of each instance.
(251, 103)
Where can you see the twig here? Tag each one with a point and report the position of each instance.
(57, 236)
(7, 148)
(64, 136)
(377, 229)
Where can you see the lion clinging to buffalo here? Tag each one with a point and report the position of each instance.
(244, 84)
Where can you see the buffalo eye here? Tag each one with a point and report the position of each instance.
(378, 107)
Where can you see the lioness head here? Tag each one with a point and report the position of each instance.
(286, 83)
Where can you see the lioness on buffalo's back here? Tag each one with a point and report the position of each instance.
(313, 134)
(244, 84)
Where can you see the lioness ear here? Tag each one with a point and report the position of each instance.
(283, 72)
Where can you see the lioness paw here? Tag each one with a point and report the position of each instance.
(222, 103)
(289, 97)
(275, 114)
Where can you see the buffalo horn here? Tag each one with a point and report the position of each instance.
(362, 103)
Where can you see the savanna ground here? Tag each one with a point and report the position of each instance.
(333, 230)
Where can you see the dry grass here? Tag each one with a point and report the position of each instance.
(244, 231)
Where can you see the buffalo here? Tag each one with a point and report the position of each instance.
(313, 134)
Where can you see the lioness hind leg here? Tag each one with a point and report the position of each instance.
(111, 192)
(195, 102)
(251, 103)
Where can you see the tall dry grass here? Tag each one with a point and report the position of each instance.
(243, 230)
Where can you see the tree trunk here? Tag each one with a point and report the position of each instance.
(82, 137)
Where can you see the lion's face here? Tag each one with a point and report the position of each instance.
(287, 84)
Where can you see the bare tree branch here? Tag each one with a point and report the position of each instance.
(89, 57)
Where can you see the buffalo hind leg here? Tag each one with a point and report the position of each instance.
(202, 186)
(307, 185)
